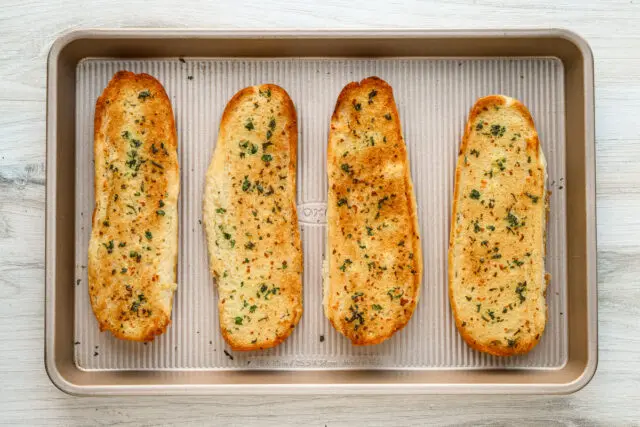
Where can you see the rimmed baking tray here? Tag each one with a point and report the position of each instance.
(436, 77)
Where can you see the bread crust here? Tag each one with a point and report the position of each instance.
(132, 296)
(255, 154)
(531, 187)
(373, 261)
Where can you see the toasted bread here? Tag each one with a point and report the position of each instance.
(251, 221)
(134, 240)
(497, 281)
(373, 264)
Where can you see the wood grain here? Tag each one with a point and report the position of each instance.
(27, 29)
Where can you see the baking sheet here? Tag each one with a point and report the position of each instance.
(433, 98)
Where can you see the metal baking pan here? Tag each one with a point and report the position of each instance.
(436, 78)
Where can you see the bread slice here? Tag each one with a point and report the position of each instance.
(373, 264)
(251, 221)
(497, 281)
(134, 240)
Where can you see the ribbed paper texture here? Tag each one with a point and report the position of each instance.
(433, 98)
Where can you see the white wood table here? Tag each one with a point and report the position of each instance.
(27, 29)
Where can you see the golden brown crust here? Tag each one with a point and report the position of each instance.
(251, 187)
(374, 258)
(497, 282)
(133, 250)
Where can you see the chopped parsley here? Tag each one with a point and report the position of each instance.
(355, 316)
(533, 198)
(513, 220)
(357, 107)
(266, 93)
(387, 116)
(221, 210)
(381, 201)
(109, 246)
(356, 295)
(267, 157)
(395, 293)
(249, 125)
(246, 184)
(497, 130)
(475, 194)
(377, 307)
(521, 289)
(144, 94)
(347, 262)
(135, 306)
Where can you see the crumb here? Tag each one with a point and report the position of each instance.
(189, 77)
(182, 60)
(321, 338)
(95, 353)
(226, 353)
(76, 343)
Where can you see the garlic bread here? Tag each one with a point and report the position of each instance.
(134, 239)
(497, 281)
(373, 260)
(250, 219)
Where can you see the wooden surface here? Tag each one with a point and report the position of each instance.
(27, 29)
